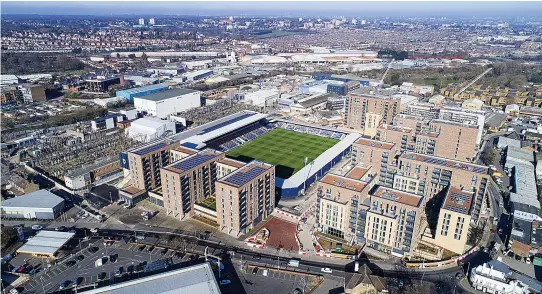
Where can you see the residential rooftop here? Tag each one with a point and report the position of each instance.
(458, 200)
(456, 164)
(193, 161)
(397, 196)
(374, 143)
(344, 182)
(246, 174)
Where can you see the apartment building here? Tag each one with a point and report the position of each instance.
(366, 112)
(394, 221)
(188, 181)
(181, 152)
(454, 220)
(145, 163)
(443, 138)
(226, 166)
(342, 203)
(380, 155)
(245, 197)
(428, 175)
(32, 93)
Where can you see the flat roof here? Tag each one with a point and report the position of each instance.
(246, 174)
(142, 89)
(395, 128)
(186, 150)
(166, 94)
(37, 199)
(46, 242)
(397, 196)
(458, 200)
(344, 182)
(232, 162)
(480, 169)
(374, 143)
(193, 160)
(358, 172)
(198, 279)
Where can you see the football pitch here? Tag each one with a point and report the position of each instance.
(283, 148)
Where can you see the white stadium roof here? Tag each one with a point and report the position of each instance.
(194, 279)
(325, 158)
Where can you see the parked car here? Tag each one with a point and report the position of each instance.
(64, 285)
(37, 227)
(101, 276)
(118, 271)
(327, 270)
(141, 248)
(61, 229)
(71, 263)
(225, 282)
(93, 249)
(150, 249)
(255, 270)
(80, 257)
(163, 251)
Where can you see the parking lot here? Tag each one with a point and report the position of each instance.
(121, 262)
(271, 281)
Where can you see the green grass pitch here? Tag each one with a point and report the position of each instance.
(283, 148)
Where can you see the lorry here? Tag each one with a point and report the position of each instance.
(293, 262)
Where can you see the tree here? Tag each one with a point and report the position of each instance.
(489, 156)
(475, 235)
(9, 236)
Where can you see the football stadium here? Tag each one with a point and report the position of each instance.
(301, 153)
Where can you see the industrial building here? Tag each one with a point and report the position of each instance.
(245, 197)
(141, 80)
(96, 173)
(46, 243)
(169, 54)
(198, 75)
(32, 93)
(130, 94)
(173, 70)
(150, 128)
(41, 204)
(193, 279)
(106, 122)
(102, 84)
(167, 102)
(263, 97)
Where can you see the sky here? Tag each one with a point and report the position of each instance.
(264, 8)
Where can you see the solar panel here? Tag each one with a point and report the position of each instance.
(242, 177)
(225, 123)
(193, 161)
(148, 149)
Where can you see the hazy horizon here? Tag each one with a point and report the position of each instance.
(264, 8)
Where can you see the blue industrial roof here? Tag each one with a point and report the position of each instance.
(148, 149)
(193, 161)
(142, 89)
(222, 124)
(241, 177)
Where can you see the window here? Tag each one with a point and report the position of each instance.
(459, 228)
(445, 224)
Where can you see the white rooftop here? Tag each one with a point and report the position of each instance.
(46, 242)
(194, 279)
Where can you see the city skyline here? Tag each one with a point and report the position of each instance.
(267, 8)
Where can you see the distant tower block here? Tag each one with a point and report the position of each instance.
(142, 21)
(151, 21)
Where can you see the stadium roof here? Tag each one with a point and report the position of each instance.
(193, 279)
(167, 94)
(297, 179)
(37, 199)
(46, 242)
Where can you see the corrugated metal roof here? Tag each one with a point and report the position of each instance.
(38, 199)
(198, 279)
(46, 242)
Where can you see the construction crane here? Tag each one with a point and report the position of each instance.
(472, 83)
(386, 72)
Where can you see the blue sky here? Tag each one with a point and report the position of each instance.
(367, 9)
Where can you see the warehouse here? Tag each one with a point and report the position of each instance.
(197, 75)
(261, 97)
(130, 94)
(45, 243)
(41, 204)
(150, 128)
(165, 103)
(106, 122)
